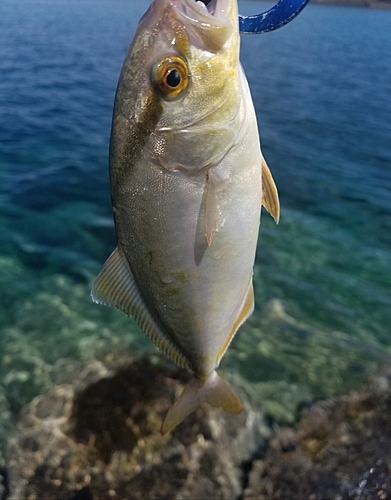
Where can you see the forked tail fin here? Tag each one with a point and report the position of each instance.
(214, 391)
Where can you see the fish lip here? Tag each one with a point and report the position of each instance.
(214, 14)
(211, 25)
(216, 9)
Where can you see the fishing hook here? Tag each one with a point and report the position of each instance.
(279, 15)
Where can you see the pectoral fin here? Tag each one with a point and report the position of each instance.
(215, 182)
(211, 212)
(270, 194)
(115, 287)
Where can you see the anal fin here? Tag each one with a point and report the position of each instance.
(269, 192)
(245, 311)
(115, 287)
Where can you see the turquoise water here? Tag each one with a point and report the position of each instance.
(321, 87)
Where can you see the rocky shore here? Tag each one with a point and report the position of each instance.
(95, 436)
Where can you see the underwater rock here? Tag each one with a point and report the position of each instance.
(288, 362)
(99, 438)
(23, 372)
(4, 491)
(29, 377)
(6, 428)
(341, 448)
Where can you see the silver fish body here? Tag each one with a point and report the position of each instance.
(186, 175)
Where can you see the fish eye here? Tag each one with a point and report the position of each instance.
(170, 76)
(173, 78)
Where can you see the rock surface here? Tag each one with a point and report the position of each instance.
(340, 449)
(98, 438)
(95, 436)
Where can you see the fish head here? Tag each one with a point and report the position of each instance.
(179, 90)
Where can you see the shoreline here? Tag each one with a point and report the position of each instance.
(369, 4)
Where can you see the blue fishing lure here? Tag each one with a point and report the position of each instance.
(279, 15)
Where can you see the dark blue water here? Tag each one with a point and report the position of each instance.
(321, 88)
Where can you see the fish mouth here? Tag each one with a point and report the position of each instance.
(206, 8)
(212, 21)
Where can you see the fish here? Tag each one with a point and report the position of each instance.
(188, 180)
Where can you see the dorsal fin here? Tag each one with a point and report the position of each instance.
(269, 191)
(115, 287)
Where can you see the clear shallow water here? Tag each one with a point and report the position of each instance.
(321, 87)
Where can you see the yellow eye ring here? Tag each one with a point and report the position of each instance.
(170, 76)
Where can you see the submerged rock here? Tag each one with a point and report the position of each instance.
(341, 449)
(96, 435)
(99, 438)
(6, 429)
(4, 491)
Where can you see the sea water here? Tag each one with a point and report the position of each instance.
(322, 91)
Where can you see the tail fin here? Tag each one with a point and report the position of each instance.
(214, 391)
